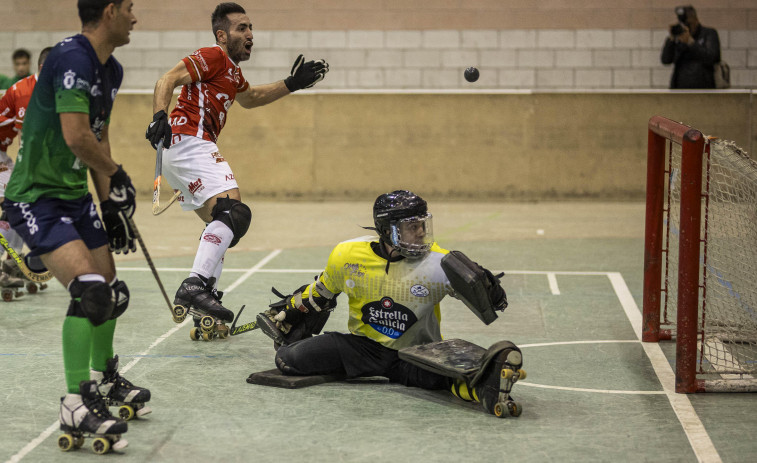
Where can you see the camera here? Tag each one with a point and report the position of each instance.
(676, 29)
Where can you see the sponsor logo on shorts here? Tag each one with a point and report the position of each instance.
(211, 238)
(229, 177)
(31, 221)
(195, 186)
(388, 318)
(419, 290)
(217, 156)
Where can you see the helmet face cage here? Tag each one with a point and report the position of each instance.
(412, 237)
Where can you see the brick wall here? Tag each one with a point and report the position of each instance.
(425, 44)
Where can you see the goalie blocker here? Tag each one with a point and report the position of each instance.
(476, 286)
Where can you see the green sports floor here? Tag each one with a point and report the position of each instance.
(594, 392)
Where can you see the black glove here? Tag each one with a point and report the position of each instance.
(122, 192)
(306, 74)
(120, 233)
(496, 291)
(159, 129)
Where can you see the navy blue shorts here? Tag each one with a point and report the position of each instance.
(49, 223)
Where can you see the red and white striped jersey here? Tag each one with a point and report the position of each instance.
(203, 104)
(13, 109)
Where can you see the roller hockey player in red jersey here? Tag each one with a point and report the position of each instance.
(211, 81)
(394, 284)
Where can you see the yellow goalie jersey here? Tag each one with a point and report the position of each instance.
(397, 309)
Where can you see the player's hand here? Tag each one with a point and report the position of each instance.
(306, 74)
(122, 192)
(120, 234)
(159, 130)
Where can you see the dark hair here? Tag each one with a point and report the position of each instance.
(21, 53)
(220, 17)
(43, 55)
(90, 11)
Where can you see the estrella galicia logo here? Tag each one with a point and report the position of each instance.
(419, 291)
(69, 78)
(388, 318)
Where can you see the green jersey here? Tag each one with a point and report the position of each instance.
(72, 81)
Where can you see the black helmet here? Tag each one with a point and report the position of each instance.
(390, 209)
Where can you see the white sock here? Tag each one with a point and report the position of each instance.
(214, 242)
(13, 238)
(217, 272)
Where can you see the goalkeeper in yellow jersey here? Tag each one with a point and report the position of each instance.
(394, 283)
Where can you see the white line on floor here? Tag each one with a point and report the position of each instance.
(581, 389)
(553, 284)
(700, 441)
(51, 429)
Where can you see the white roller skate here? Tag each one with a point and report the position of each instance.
(119, 392)
(10, 287)
(197, 299)
(86, 415)
(10, 267)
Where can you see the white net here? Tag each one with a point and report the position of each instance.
(727, 323)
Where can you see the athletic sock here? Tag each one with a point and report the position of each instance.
(459, 389)
(217, 272)
(102, 345)
(77, 346)
(214, 242)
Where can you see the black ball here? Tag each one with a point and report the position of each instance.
(471, 74)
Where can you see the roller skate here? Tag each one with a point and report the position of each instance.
(86, 415)
(197, 298)
(119, 392)
(10, 287)
(10, 267)
(500, 370)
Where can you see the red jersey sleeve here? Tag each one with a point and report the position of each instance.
(204, 63)
(243, 84)
(8, 107)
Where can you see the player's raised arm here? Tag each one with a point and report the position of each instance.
(304, 74)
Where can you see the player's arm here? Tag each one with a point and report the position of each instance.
(99, 179)
(304, 74)
(84, 144)
(261, 95)
(159, 129)
(7, 108)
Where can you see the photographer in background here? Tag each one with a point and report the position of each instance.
(693, 50)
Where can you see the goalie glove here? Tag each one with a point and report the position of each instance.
(306, 74)
(496, 291)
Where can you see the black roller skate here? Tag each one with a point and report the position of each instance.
(500, 370)
(86, 415)
(197, 298)
(11, 268)
(119, 392)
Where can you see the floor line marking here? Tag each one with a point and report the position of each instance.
(553, 284)
(588, 341)
(699, 440)
(600, 391)
(51, 429)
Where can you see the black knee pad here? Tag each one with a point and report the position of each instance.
(121, 294)
(93, 300)
(235, 214)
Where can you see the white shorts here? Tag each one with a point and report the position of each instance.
(6, 169)
(196, 168)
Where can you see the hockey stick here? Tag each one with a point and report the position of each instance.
(156, 207)
(152, 266)
(244, 328)
(35, 277)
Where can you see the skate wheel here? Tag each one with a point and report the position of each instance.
(223, 331)
(507, 373)
(7, 295)
(42, 286)
(126, 412)
(514, 409)
(207, 322)
(32, 288)
(179, 313)
(66, 442)
(207, 336)
(194, 334)
(100, 445)
(521, 374)
(499, 410)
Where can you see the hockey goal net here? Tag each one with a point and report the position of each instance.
(700, 257)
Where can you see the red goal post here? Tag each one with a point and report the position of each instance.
(700, 257)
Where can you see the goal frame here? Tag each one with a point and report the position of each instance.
(662, 133)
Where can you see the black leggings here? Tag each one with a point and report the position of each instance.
(353, 356)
